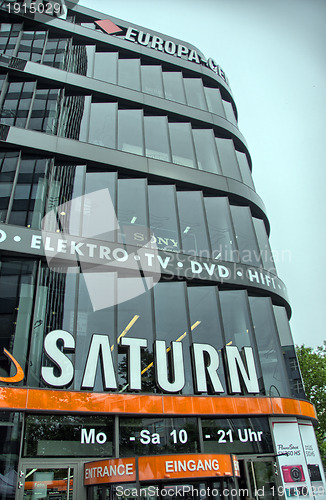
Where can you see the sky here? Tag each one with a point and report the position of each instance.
(273, 52)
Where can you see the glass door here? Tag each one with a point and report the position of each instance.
(262, 481)
(44, 482)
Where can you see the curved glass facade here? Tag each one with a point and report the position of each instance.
(145, 339)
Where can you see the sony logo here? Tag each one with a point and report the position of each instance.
(168, 361)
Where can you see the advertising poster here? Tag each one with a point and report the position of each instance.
(291, 458)
(312, 455)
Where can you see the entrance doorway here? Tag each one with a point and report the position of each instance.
(258, 477)
(45, 481)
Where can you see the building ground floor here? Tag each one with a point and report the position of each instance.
(64, 445)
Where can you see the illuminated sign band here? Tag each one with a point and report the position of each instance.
(240, 368)
(159, 467)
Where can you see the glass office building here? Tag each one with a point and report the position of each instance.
(145, 345)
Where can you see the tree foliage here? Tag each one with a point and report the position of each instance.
(313, 369)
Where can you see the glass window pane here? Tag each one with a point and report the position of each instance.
(173, 87)
(94, 225)
(163, 431)
(106, 66)
(17, 287)
(228, 159)
(245, 235)
(214, 101)
(182, 145)
(237, 323)
(264, 246)
(95, 314)
(10, 432)
(54, 436)
(138, 313)
(220, 229)
(156, 138)
(206, 323)
(151, 80)
(132, 211)
(270, 353)
(288, 349)
(236, 430)
(129, 73)
(195, 93)
(103, 124)
(244, 169)
(130, 131)
(206, 151)
(192, 223)
(171, 323)
(28, 210)
(163, 217)
(229, 112)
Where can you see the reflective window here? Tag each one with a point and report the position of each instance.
(289, 353)
(90, 56)
(9, 34)
(270, 353)
(229, 112)
(214, 101)
(68, 436)
(245, 235)
(157, 138)
(135, 320)
(192, 223)
(151, 80)
(264, 246)
(129, 73)
(77, 62)
(228, 159)
(163, 217)
(106, 66)
(2, 80)
(45, 111)
(56, 52)
(95, 314)
(17, 286)
(75, 117)
(16, 104)
(182, 144)
(173, 87)
(231, 435)
(206, 150)
(220, 229)
(103, 200)
(130, 131)
(158, 435)
(172, 326)
(64, 183)
(244, 169)
(237, 323)
(132, 211)
(195, 93)
(32, 45)
(27, 199)
(8, 165)
(206, 323)
(103, 124)
(54, 309)
(10, 438)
